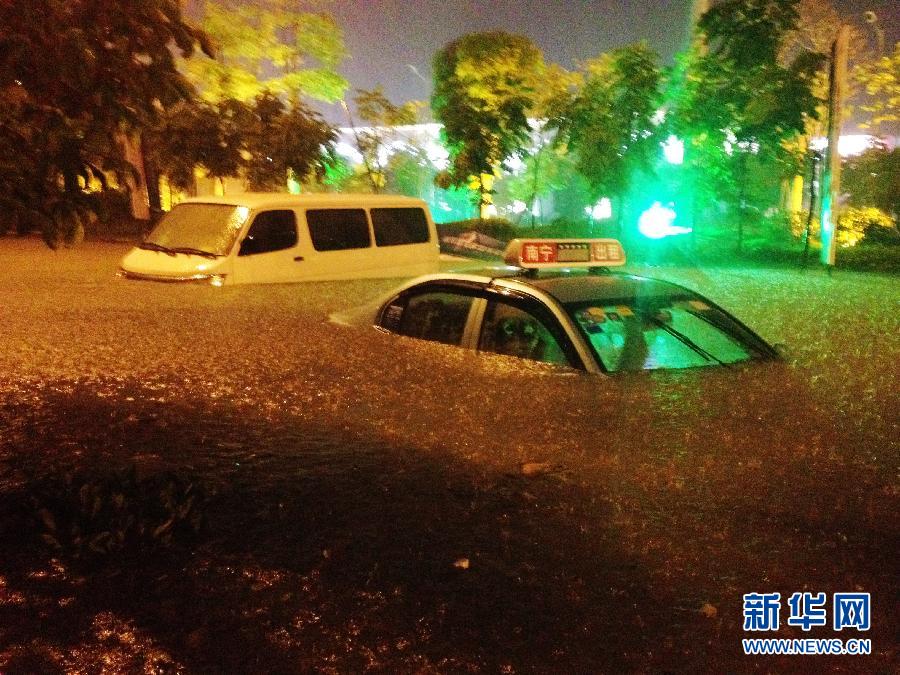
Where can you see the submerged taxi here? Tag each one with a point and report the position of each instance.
(560, 302)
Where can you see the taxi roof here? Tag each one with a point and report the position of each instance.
(583, 286)
(574, 287)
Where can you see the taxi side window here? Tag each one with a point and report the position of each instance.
(270, 231)
(512, 331)
(437, 316)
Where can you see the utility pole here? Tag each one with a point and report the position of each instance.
(831, 183)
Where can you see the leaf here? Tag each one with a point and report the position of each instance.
(709, 611)
(159, 531)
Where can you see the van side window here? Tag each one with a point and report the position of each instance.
(399, 226)
(440, 317)
(338, 229)
(270, 231)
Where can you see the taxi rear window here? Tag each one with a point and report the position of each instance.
(436, 316)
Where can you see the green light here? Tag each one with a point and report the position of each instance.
(602, 210)
(656, 222)
(673, 150)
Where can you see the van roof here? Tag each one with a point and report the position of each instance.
(255, 200)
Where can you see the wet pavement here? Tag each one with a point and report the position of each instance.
(369, 506)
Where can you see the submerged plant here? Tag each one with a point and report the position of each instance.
(90, 514)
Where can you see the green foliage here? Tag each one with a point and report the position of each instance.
(866, 225)
(609, 124)
(270, 45)
(484, 88)
(199, 134)
(74, 78)
(381, 117)
(731, 97)
(283, 138)
(451, 203)
(409, 172)
(261, 141)
(87, 515)
(551, 172)
(870, 258)
(872, 179)
(880, 79)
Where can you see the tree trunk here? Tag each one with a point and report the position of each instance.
(535, 183)
(151, 176)
(742, 202)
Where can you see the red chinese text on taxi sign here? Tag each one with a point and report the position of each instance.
(538, 252)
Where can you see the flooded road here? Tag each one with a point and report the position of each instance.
(381, 504)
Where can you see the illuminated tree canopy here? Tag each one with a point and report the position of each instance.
(380, 116)
(287, 47)
(881, 83)
(484, 90)
(731, 98)
(609, 123)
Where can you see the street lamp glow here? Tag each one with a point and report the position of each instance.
(656, 222)
(601, 210)
(673, 150)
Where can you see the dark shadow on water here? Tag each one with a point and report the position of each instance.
(323, 549)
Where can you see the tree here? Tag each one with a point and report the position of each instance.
(732, 100)
(881, 82)
(871, 179)
(484, 89)
(284, 139)
(609, 124)
(75, 76)
(280, 46)
(551, 171)
(550, 103)
(262, 142)
(381, 117)
(198, 134)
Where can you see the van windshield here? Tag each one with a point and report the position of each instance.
(206, 228)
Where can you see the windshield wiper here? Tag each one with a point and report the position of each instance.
(151, 246)
(684, 339)
(193, 251)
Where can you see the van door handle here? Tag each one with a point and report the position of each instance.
(298, 258)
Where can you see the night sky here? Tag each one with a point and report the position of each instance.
(386, 37)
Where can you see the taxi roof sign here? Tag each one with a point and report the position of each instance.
(557, 253)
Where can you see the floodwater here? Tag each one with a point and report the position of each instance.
(383, 504)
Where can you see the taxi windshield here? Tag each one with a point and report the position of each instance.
(204, 228)
(662, 333)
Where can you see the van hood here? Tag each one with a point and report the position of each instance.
(140, 263)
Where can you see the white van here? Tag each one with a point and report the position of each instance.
(275, 238)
